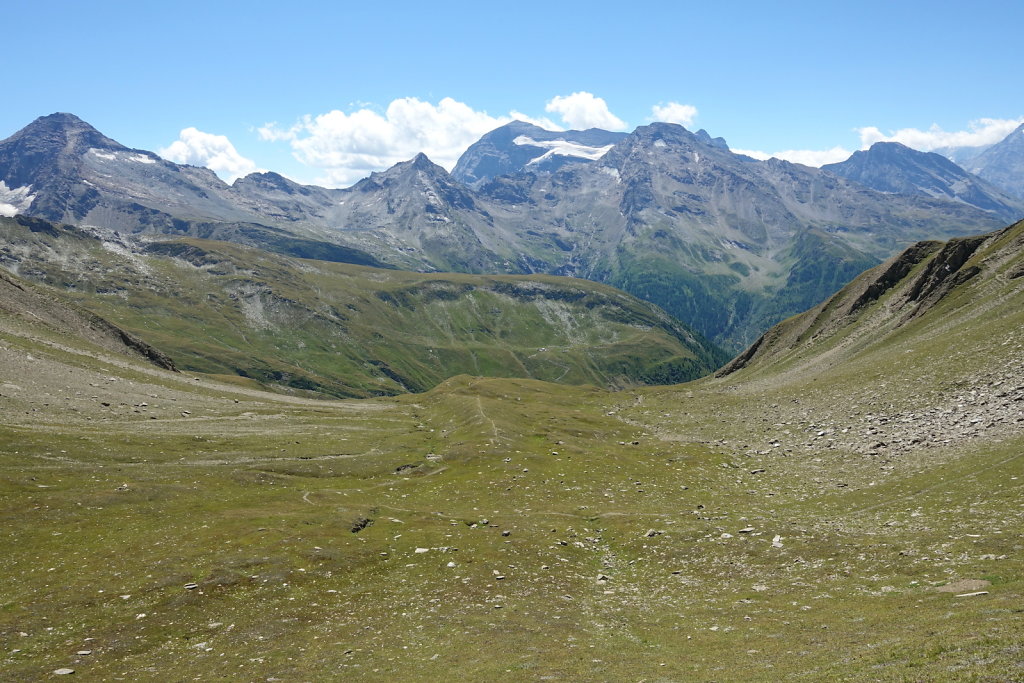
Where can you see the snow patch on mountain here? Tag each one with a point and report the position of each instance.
(563, 148)
(122, 156)
(15, 200)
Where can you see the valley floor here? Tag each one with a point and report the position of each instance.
(166, 527)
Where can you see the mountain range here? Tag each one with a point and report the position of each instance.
(816, 509)
(896, 168)
(725, 243)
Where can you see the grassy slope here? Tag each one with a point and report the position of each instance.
(348, 330)
(110, 513)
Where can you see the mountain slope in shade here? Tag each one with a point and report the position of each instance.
(893, 167)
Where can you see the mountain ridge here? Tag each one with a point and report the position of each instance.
(893, 167)
(331, 329)
(671, 216)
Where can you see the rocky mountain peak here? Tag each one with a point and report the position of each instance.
(660, 140)
(706, 138)
(895, 168)
(519, 146)
(267, 180)
(63, 133)
(421, 162)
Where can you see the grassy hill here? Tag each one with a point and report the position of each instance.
(844, 506)
(346, 330)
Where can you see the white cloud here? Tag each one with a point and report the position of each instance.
(349, 146)
(807, 157)
(674, 112)
(582, 110)
(215, 152)
(980, 132)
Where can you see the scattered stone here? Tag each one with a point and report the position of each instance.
(85, 652)
(777, 541)
(359, 524)
(451, 564)
(191, 586)
(971, 595)
(747, 530)
(506, 533)
(420, 551)
(64, 672)
(757, 471)
(651, 533)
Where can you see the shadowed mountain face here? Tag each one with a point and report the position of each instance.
(892, 167)
(723, 242)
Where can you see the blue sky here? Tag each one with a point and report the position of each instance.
(351, 87)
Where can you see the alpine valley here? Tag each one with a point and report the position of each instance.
(725, 243)
(267, 431)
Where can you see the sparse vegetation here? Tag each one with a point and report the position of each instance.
(788, 521)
